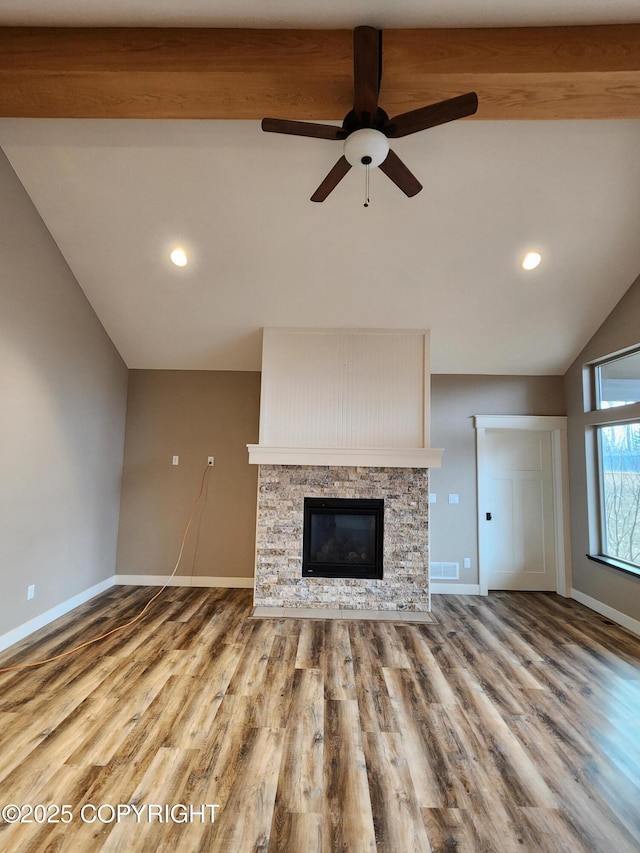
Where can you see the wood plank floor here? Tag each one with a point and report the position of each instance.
(511, 724)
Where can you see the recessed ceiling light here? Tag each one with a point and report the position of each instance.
(179, 257)
(531, 261)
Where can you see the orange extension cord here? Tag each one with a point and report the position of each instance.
(136, 618)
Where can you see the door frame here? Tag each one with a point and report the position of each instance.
(557, 427)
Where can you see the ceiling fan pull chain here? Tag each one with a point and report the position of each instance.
(366, 186)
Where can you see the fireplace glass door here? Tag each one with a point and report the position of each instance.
(342, 538)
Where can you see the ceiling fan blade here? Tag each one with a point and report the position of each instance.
(332, 180)
(394, 168)
(303, 128)
(431, 116)
(367, 46)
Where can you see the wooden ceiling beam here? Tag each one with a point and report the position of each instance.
(524, 73)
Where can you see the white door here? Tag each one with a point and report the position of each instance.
(517, 515)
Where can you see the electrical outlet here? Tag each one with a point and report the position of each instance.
(466, 563)
(31, 591)
(432, 497)
(209, 460)
(454, 499)
(175, 460)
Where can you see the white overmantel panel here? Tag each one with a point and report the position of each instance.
(351, 390)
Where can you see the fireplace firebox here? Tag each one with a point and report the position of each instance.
(343, 538)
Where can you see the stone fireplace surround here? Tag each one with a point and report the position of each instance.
(404, 588)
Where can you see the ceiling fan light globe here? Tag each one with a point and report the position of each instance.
(366, 147)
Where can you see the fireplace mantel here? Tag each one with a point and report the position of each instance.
(361, 457)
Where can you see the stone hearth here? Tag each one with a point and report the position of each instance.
(404, 586)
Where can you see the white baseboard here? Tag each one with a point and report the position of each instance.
(454, 588)
(627, 622)
(182, 580)
(48, 616)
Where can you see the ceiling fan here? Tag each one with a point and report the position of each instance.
(366, 129)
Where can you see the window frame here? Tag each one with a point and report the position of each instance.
(596, 382)
(601, 418)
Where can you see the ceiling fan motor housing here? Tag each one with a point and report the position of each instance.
(366, 147)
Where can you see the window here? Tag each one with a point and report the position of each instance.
(618, 381)
(619, 447)
(617, 387)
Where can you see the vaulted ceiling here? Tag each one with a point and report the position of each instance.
(551, 162)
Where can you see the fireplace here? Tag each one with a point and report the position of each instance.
(279, 581)
(343, 538)
(344, 416)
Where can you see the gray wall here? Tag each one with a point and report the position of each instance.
(455, 399)
(191, 414)
(197, 413)
(610, 586)
(62, 414)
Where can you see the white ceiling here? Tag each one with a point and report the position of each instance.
(318, 14)
(118, 195)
